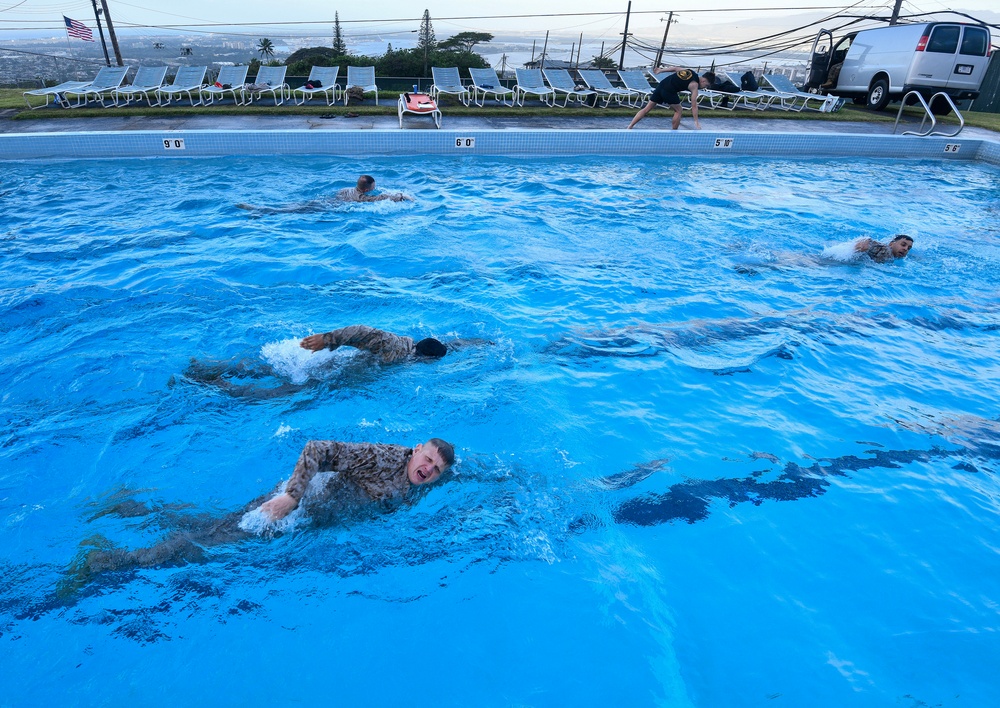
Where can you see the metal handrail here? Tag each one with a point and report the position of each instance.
(928, 113)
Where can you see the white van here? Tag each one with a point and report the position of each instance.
(879, 65)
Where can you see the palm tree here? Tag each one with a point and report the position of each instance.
(265, 47)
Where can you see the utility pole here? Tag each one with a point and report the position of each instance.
(895, 13)
(578, 48)
(532, 51)
(663, 44)
(544, 48)
(100, 31)
(111, 32)
(628, 13)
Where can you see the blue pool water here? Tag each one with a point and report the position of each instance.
(706, 461)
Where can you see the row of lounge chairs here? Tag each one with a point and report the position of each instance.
(549, 85)
(148, 85)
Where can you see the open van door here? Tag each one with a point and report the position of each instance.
(827, 58)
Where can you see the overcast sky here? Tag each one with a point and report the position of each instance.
(16, 14)
(372, 26)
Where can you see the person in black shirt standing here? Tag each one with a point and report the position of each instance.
(666, 92)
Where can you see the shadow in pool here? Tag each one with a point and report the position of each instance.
(691, 501)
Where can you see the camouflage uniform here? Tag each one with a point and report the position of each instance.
(387, 346)
(880, 253)
(378, 471)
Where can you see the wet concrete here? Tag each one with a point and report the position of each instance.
(559, 119)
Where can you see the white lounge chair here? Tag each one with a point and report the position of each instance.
(108, 79)
(230, 80)
(327, 78)
(598, 81)
(794, 100)
(147, 80)
(270, 79)
(754, 100)
(636, 82)
(531, 83)
(562, 82)
(53, 94)
(363, 76)
(447, 81)
(418, 104)
(486, 83)
(189, 80)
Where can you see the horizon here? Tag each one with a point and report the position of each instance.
(39, 20)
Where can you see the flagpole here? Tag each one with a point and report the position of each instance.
(97, 16)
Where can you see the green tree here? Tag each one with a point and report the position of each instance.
(603, 63)
(465, 41)
(410, 62)
(265, 47)
(339, 45)
(425, 40)
(301, 61)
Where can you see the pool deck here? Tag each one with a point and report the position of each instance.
(190, 135)
(557, 121)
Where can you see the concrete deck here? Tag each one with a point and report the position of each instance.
(559, 120)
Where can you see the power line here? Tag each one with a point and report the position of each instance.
(469, 17)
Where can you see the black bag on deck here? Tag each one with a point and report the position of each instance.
(748, 82)
(726, 86)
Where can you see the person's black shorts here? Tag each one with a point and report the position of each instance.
(662, 94)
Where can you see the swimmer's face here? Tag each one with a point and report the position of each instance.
(901, 247)
(364, 187)
(425, 465)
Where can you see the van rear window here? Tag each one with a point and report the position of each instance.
(974, 42)
(944, 40)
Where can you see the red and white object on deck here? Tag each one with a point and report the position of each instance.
(419, 104)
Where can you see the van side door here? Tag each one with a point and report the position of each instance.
(971, 62)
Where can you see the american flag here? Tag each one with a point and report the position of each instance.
(75, 28)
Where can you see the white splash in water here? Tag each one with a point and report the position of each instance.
(258, 523)
(283, 430)
(843, 252)
(290, 360)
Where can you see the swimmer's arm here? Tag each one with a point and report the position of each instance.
(317, 456)
(863, 245)
(469, 342)
(397, 197)
(359, 336)
(335, 339)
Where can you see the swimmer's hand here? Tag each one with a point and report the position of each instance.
(314, 342)
(400, 198)
(863, 245)
(279, 507)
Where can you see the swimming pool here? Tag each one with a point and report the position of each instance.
(702, 463)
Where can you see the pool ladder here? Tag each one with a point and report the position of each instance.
(928, 113)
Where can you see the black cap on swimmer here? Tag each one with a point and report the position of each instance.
(430, 347)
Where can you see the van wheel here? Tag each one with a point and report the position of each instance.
(940, 107)
(878, 95)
